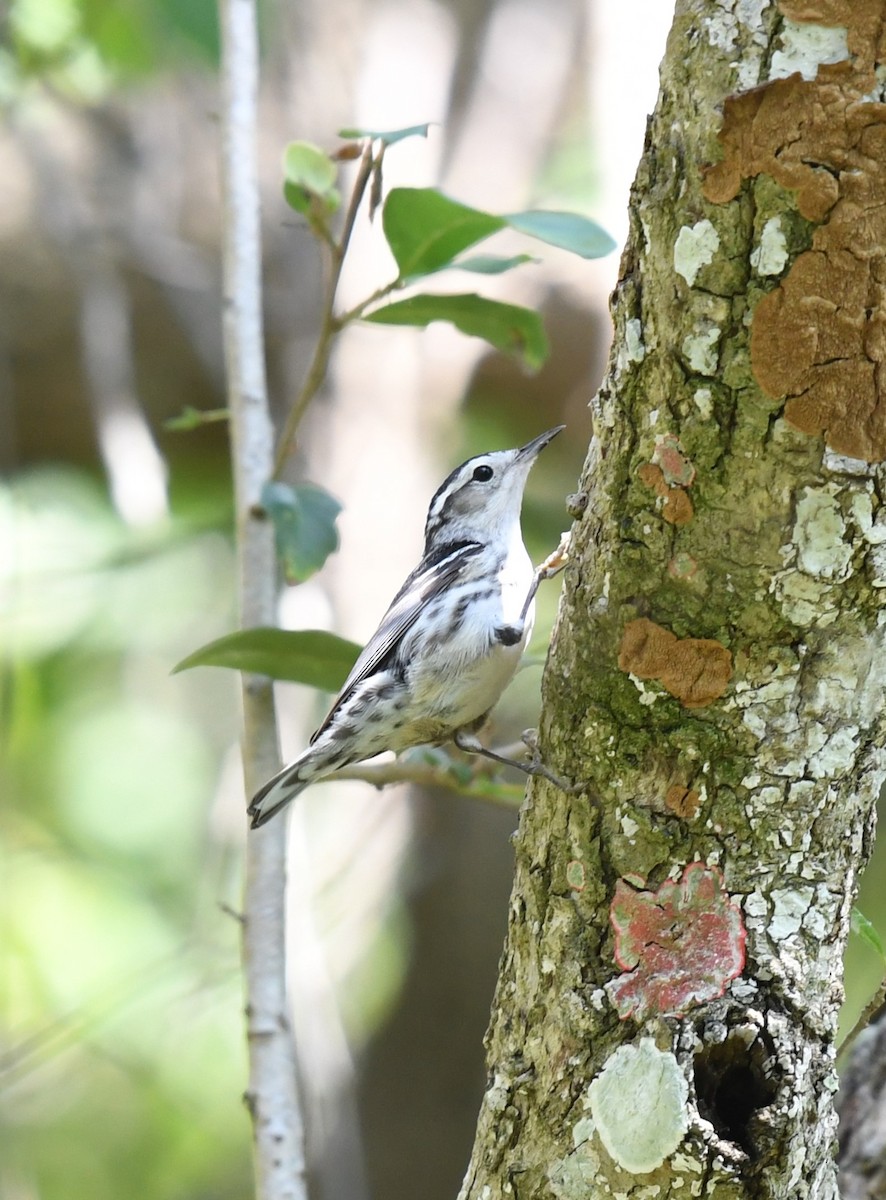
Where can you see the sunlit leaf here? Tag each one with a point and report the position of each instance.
(426, 230)
(508, 327)
(867, 932)
(308, 166)
(310, 177)
(310, 656)
(304, 526)
(569, 231)
(388, 136)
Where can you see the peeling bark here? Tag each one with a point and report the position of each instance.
(776, 578)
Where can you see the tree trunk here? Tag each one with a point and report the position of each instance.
(862, 1105)
(666, 1008)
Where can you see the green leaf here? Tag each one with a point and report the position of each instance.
(309, 656)
(508, 327)
(310, 177)
(304, 526)
(569, 231)
(306, 165)
(867, 932)
(426, 230)
(192, 418)
(388, 136)
(491, 264)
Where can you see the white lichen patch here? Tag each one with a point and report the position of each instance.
(633, 340)
(789, 907)
(647, 696)
(836, 755)
(861, 510)
(723, 27)
(582, 1131)
(704, 402)
(877, 564)
(701, 348)
(770, 256)
(639, 1104)
(629, 826)
(498, 1093)
(842, 464)
(695, 248)
(820, 916)
(818, 534)
(804, 600)
(805, 47)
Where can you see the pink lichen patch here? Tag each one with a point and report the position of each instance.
(679, 946)
(675, 466)
(575, 875)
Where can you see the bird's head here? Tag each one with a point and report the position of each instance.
(480, 501)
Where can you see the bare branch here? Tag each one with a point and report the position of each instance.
(272, 1094)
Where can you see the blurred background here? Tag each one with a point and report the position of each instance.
(121, 807)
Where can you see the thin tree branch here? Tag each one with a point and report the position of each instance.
(329, 324)
(867, 1015)
(272, 1094)
(450, 776)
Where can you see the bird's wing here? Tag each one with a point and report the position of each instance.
(434, 574)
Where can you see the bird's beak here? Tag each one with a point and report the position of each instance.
(531, 449)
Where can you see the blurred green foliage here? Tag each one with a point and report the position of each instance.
(120, 1022)
(86, 47)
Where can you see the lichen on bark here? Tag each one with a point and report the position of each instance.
(779, 565)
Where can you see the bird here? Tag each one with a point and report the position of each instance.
(451, 639)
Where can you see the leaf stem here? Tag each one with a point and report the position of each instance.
(330, 325)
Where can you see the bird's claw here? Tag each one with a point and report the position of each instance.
(536, 766)
(556, 561)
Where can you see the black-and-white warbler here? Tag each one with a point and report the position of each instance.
(451, 640)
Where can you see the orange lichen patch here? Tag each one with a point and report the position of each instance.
(677, 507)
(652, 476)
(683, 802)
(819, 339)
(695, 671)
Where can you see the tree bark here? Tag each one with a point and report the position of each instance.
(665, 1014)
(862, 1105)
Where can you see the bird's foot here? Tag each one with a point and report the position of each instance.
(536, 766)
(471, 744)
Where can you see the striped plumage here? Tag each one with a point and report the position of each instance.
(451, 640)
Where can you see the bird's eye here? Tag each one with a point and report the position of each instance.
(482, 473)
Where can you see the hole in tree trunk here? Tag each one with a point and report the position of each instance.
(732, 1084)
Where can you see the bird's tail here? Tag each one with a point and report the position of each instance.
(277, 793)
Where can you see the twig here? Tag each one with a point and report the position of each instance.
(867, 1015)
(329, 325)
(272, 1094)
(425, 774)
